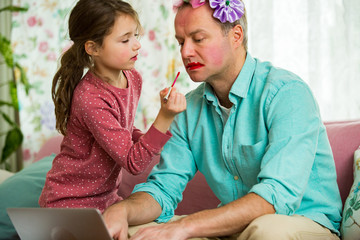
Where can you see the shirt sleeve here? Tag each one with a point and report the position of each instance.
(176, 168)
(293, 122)
(136, 134)
(101, 120)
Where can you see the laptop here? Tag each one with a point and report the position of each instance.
(58, 223)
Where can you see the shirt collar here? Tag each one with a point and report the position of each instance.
(241, 85)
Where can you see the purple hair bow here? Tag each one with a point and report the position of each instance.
(230, 10)
(225, 10)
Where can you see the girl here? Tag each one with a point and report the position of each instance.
(95, 112)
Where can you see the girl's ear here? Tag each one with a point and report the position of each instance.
(91, 48)
(238, 35)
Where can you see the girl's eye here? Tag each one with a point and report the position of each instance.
(199, 40)
(125, 41)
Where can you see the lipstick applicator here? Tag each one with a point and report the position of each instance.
(168, 94)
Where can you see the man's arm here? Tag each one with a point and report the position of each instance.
(137, 209)
(226, 220)
(229, 219)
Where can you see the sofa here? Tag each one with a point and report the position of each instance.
(344, 138)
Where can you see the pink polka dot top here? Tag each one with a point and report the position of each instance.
(100, 141)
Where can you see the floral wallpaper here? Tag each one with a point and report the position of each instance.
(39, 36)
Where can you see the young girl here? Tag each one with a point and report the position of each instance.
(95, 112)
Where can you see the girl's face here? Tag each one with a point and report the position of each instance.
(206, 52)
(120, 48)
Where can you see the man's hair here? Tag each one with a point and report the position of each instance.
(227, 26)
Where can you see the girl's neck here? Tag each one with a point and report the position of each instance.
(117, 80)
(120, 82)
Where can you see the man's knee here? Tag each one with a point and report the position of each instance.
(275, 226)
(263, 227)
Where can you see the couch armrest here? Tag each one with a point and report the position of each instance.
(344, 139)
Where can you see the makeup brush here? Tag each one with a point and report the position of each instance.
(168, 94)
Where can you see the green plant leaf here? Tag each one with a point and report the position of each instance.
(13, 141)
(14, 9)
(3, 103)
(5, 83)
(6, 51)
(7, 167)
(13, 95)
(8, 120)
(23, 78)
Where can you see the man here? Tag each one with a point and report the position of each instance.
(253, 130)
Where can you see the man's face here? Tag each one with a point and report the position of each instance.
(206, 52)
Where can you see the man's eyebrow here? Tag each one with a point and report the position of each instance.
(191, 33)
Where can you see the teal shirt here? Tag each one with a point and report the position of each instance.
(273, 144)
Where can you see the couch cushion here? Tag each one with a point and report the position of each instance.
(22, 190)
(5, 175)
(344, 139)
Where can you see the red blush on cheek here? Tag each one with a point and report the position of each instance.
(216, 55)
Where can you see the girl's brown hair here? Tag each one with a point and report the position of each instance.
(89, 20)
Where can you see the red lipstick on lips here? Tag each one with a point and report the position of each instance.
(194, 65)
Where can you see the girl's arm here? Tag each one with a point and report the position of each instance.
(95, 113)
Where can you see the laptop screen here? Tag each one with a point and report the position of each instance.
(58, 223)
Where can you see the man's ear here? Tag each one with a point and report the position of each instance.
(237, 35)
(91, 48)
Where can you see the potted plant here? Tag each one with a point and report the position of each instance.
(12, 134)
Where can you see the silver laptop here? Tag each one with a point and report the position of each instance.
(59, 223)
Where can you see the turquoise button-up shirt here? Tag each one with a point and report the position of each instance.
(273, 144)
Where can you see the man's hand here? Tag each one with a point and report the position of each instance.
(166, 231)
(115, 218)
(137, 209)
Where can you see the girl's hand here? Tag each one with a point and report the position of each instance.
(174, 105)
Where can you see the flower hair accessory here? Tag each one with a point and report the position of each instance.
(194, 3)
(230, 10)
(225, 10)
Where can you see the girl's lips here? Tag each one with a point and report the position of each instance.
(194, 65)
(134, 58)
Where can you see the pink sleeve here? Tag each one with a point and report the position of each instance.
(117, 141)
(137, 133)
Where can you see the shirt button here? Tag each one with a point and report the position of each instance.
(236, 178)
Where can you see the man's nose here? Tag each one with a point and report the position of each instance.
(187, 50)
